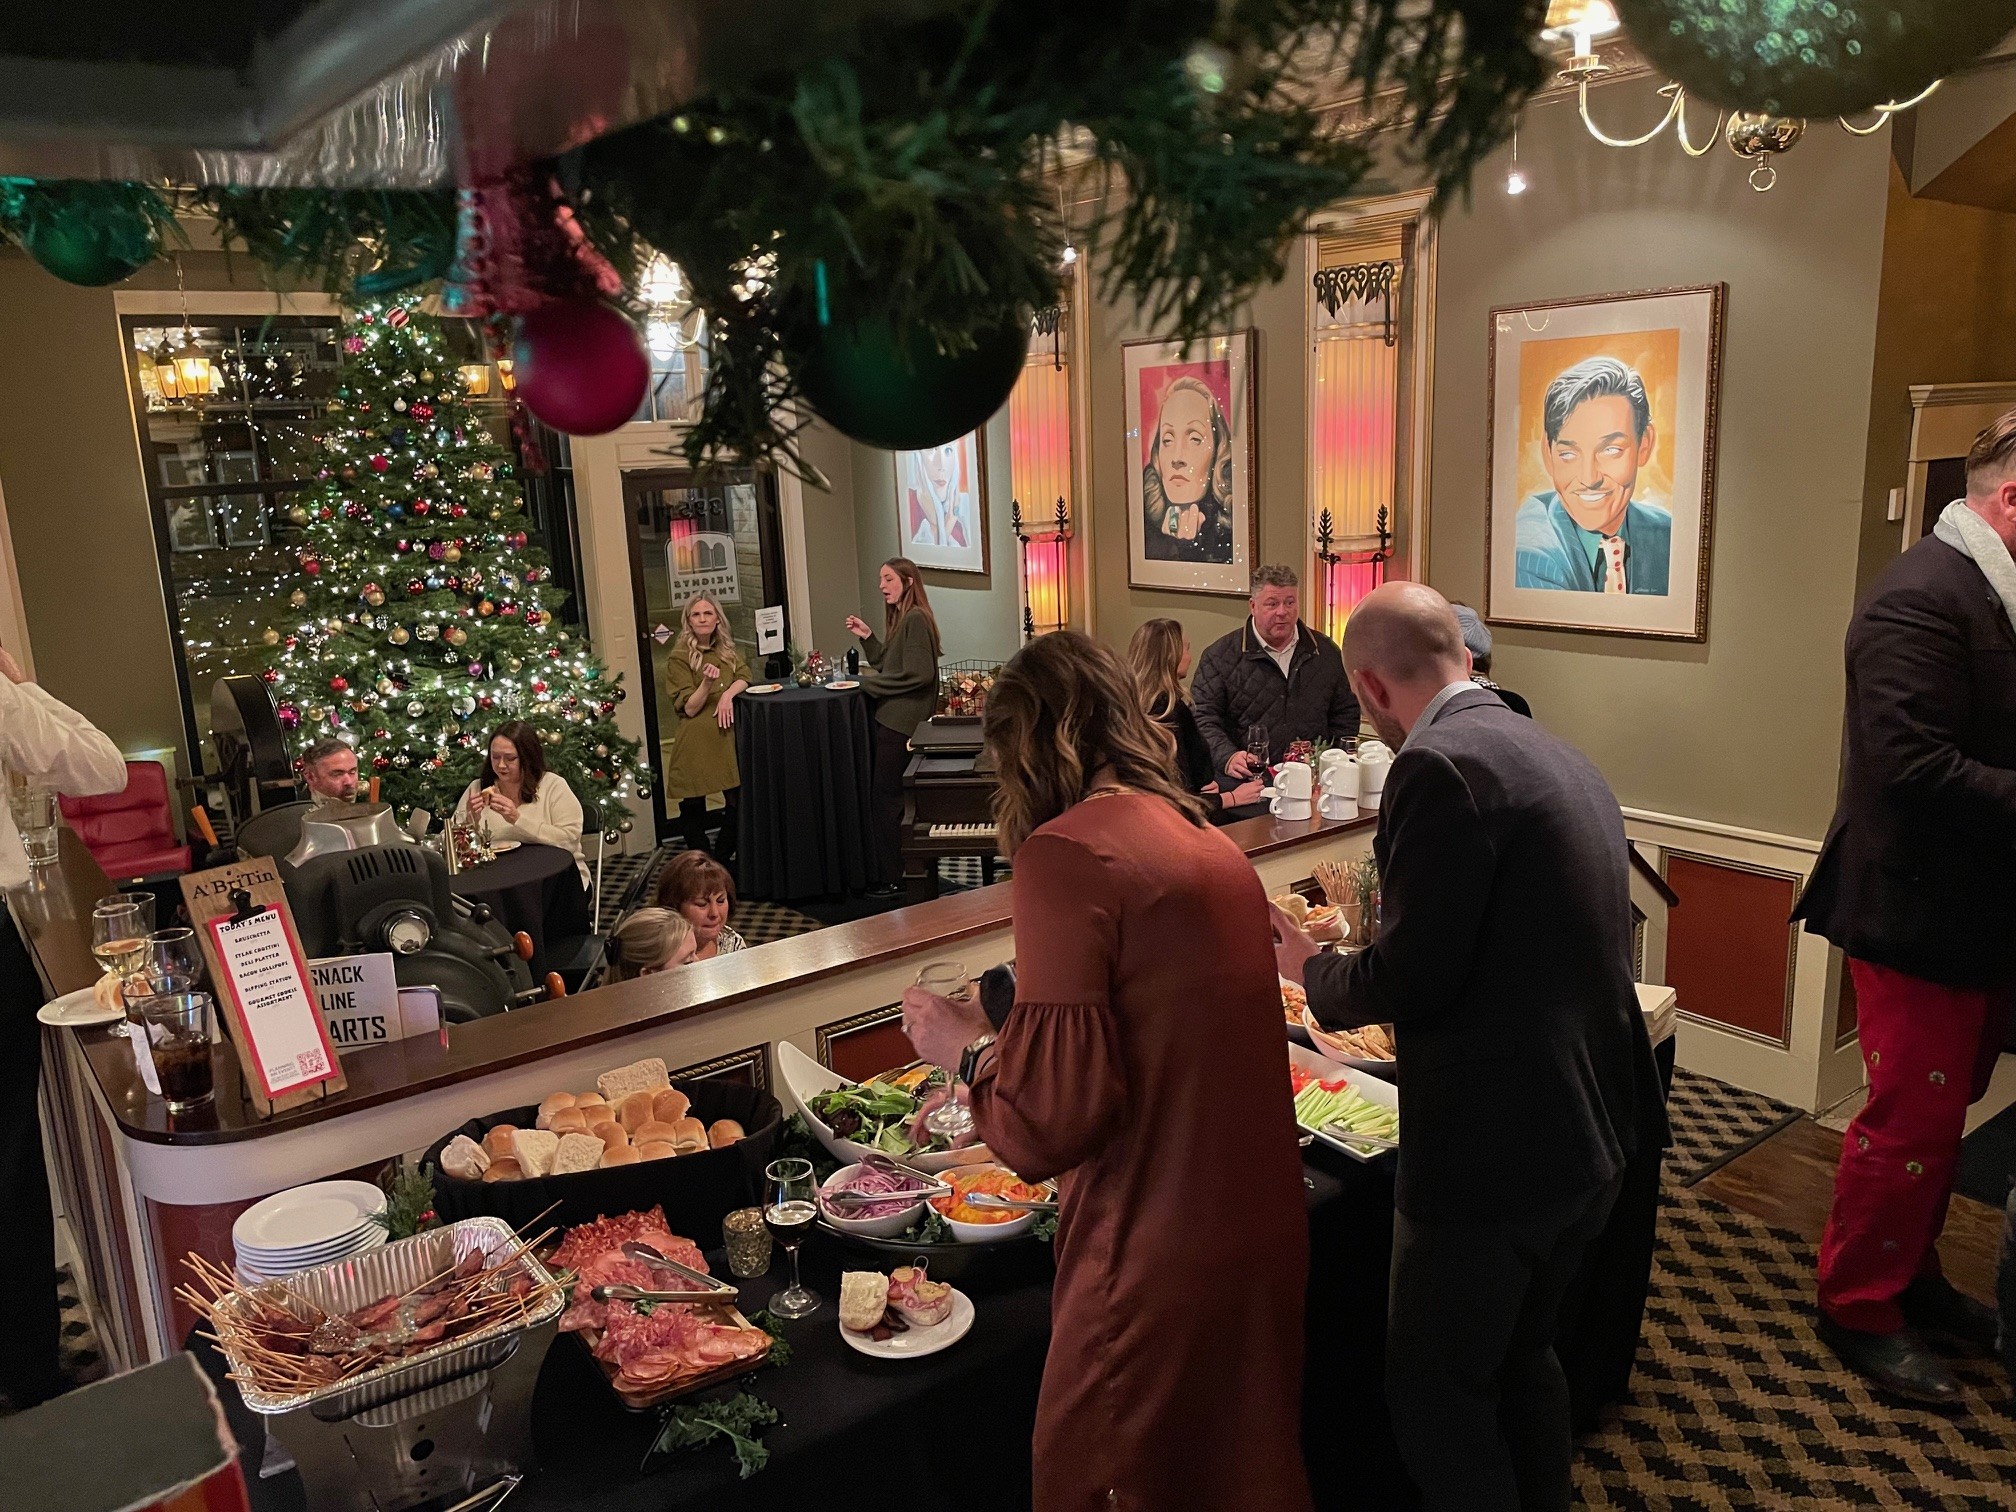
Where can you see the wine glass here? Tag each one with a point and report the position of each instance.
(1259, 746)
(951, 1120)
(119, 930)
(173, 963)
(788, 1215)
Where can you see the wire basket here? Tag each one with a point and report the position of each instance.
(963, 687)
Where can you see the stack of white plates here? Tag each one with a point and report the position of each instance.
(305, 1227)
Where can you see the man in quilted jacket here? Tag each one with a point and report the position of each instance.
(1274, 674)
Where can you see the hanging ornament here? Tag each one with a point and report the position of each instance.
(429, 470)
(428, 630)
(476, 670)
(381, 763)
(903, 394)
(436, 550)
(415, 587)
(399, 635)
(465, 706)
(538, 685)
(311, 566)
(486, 702)
(288, 715)
(422, 410)
(270, 636)
(379, 462)
(514, 664)
(387, 687)
(451, 553)
(297, 516)
(353, 344)
(486, 608)
(87, 233)
(400, 406)
(397, 437)
(339, 684)
(455, 635)
(1811, 57)
(518, 246)
(271, 674)
(298, 597)
(421, 506)
(582, 367)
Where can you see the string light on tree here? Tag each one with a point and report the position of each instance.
(379, 583)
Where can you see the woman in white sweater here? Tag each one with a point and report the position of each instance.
(523, 800)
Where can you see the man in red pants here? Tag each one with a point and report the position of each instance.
(1917, 883)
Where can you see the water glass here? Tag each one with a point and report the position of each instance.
(35, 817)
(792, 1207)
(178, 1037)
(748, 1243)
(173, 962)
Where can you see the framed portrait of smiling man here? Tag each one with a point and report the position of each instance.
(1191, 522)
(1601, 459)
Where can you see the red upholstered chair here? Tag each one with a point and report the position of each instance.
(131, 833)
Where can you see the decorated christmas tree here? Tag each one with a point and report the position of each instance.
(426, 618)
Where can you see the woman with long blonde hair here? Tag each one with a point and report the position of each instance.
(1141, 1067)
(902, 678)
(1159, 658)
(704, 671)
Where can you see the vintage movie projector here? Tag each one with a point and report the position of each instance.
(356, 881)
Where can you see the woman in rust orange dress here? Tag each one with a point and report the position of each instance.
(1142, 1064)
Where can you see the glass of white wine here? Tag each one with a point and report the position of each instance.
(119, 930)
(951, 1120)
(788, 1214)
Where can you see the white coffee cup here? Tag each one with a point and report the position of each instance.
(1291, 808)
(1294, 780)
(1339, 805)
(1372, 769)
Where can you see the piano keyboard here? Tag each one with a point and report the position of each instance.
(962, 832)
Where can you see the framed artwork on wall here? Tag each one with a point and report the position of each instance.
(1192, 524)
(1601, 463)
(941, 505)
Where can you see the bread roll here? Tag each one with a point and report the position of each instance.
(724, 1132)
(497, 1143)
(505, 1169)
(670, 1106)
(689, 1135)
(464, 1159)
(621, 1155)
(655, 1132)
(656, 1150)
(611, 1134)
(1292, 904)
(577, 1152)
(864, 1297)
(568, 1121)
(591, 1105)
(108, 994)
(534, 1149)
(647, 1075)
(634, 1111)
(553, 1105)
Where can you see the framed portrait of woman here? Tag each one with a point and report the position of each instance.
(941, 505)
(1191, 521)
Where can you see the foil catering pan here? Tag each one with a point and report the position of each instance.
(347, 1285)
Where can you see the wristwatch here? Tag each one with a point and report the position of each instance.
(970, 1061)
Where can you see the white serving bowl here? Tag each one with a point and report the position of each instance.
(990, 1233)
(804, 1078)
(885, 1227)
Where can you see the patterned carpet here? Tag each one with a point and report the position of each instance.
(1714, 1122)
(1737, 1405)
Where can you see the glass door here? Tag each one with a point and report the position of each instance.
(721, 536)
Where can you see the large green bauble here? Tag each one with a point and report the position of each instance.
(1812, 57)
(904, 395)
(91, 246)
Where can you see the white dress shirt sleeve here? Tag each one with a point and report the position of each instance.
(43, 737)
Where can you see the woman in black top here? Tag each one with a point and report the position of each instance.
(1159, 657)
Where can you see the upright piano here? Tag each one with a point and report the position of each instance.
(948, 798)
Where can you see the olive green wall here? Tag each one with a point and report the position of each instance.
(77, 510)
(1744, 730)
(832, 592)
(1947, 315)
(979, 614)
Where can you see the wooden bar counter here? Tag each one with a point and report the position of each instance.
(142, 1187)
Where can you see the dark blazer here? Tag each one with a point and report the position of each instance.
(1238, 684)
(1503, 962)
(1919, 869)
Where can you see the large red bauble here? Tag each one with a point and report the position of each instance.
(580, 366)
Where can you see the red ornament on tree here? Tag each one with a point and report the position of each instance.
(581, 367)
(288, 715)
(422, 410)
(271, 674)
(538, 685)
(379, 462)
(416, 587)
(458, 510)
(381, 763)
(421, 506)
(517, 539)
(397, 317)
(339, 684)
(310, 566)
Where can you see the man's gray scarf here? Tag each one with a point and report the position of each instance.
(1974, 538)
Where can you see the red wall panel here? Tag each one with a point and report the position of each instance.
(1729, 945)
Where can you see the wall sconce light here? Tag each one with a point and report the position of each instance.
(1349, 575)
(1046, 569)
(507, 374)
(475, 378)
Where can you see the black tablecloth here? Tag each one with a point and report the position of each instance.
(535, 888)
(963, 1419)
(804, 827)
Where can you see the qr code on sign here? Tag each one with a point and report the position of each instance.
(311, 1062)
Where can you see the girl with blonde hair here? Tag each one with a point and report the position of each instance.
(649, 941)
(704, 671)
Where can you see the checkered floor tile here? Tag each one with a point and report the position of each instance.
(627, 882)
(1736, 1404)
(1714, 1122)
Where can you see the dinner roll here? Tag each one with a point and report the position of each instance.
(504, 1169)
(620, 1155)
(689, 1134)
(724, 1132)
(670, 1106)
(634, 1111)
(497, 1143)
(553, 1105)
(656, 1150)
(654, 1132)
(589, 1103)
(568, 1121)
(611, 1134)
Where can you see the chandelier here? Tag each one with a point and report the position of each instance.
(1755, 137)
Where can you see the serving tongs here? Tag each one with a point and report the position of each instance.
(1351, 1136)
(989, 1200)
(931, 1185)
(705, 1288)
